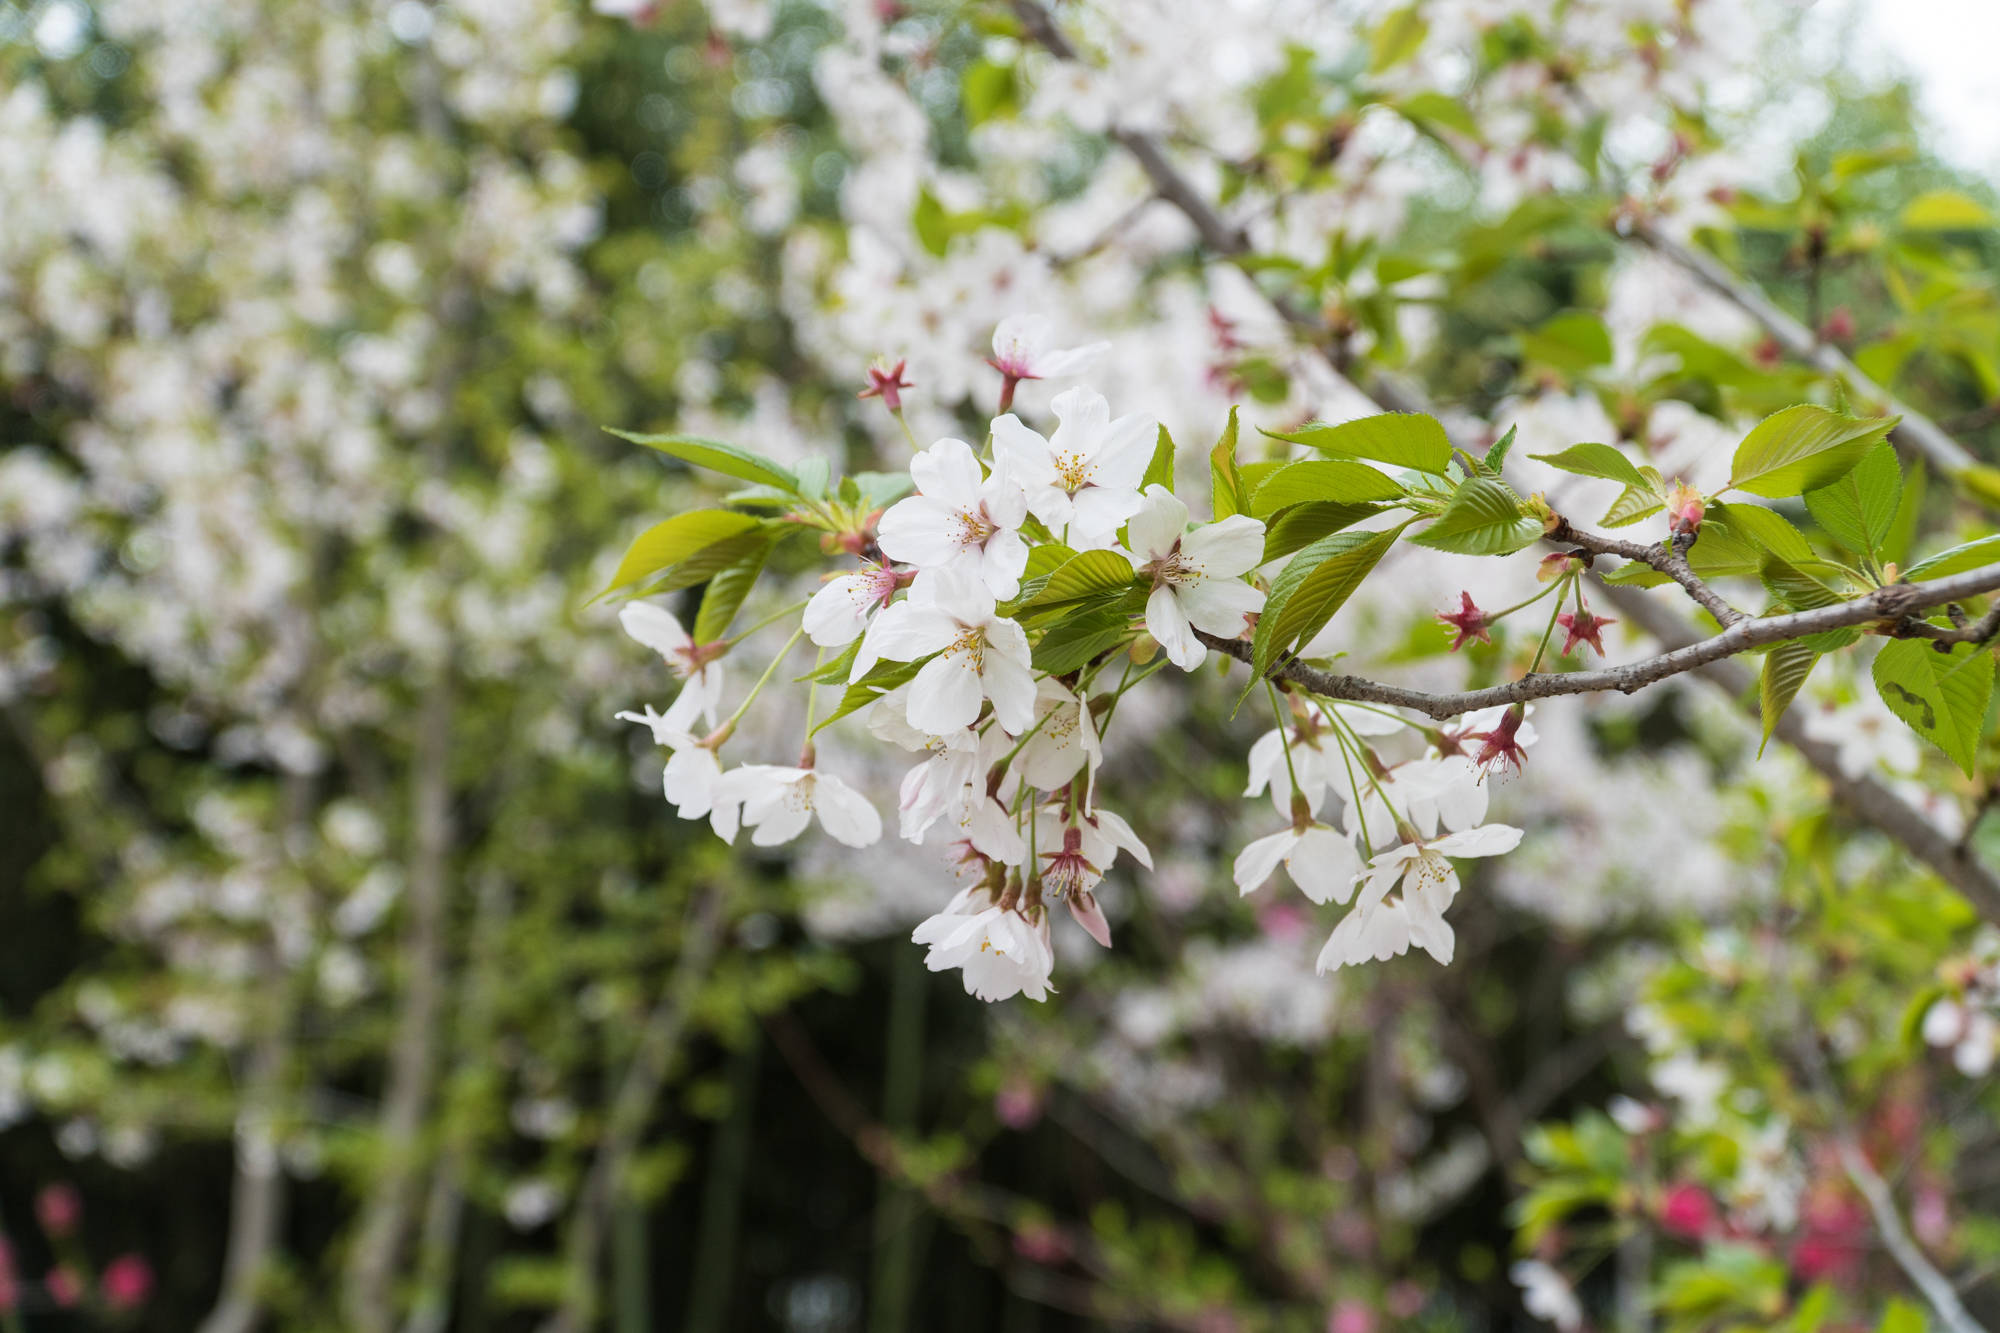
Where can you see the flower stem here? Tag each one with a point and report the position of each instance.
(793, 609)
(763, 680)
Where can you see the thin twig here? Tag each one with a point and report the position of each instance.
(1670, 560)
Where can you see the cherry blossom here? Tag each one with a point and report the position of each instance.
(1064, 740)
(960, 518)
(1023, 349)
(1083, 482)
(1379, 928)
(1320, 860)
(778, 803)
(979, 655)
(693, 775)
(1001, 953)
(837, 614)
(1197, 576)
(656, 628)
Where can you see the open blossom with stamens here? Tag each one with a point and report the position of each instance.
(656, 627)
(1582, 627)
(779, 802)
(1065, 739)
(1381, 928)
(1023, 349)
(1000, 951)
(1432, 793)
(978, 654)
(1068, 870)
(1197, 576)
(1083, 481)
(1468, 623)
(1100, 836)
(838, 613)
(960, 518)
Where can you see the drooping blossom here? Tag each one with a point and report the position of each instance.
(1381, 928)
(1083, 481)
(1501, 744)
(1197, 576)
(978, 654)
(778, 802)
(1064, 741)
(960, 518)
(1023, 349)
(840, 611)
(693, 775)
(1320, 860)
(698, 664)
(1314, 754)
(1000, 952)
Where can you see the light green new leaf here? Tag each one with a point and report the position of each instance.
(1572, 341)
(1400, 439)
(716, 457)
(1802, 448)
(1322, 479)
(1766, 529)
(1160, 472)
(881, 678)
(1637, 502)
(667, 544)
(1483, 517)
(1901, 1316)
(725, 595)
(1858, 510)
(1595, 460)
(1496, 457)
(1311, 588)
(1785, 670)
(1944, 210)
(1941, 696)
(1226, 486)
(1071, 643)
(1958, 559)
(1395, 39)
(1091, 576)
(1302, 525)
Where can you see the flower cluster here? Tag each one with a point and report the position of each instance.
(998, 612)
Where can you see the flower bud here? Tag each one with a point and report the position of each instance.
(1684, 509)
(1560, 565)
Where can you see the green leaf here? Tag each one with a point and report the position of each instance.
(1785, 670)
(837, 671)
(1496, 457)
(1395, 39)
(1956, 560)
(667, 544)
(1434, 111)
(1909, 511)
(931, 224)
(716, 457)
(1940, 696)
(1637, 502)
(1595, 460)
(881, 678)
(725, 595)
(1482, 518)
(1400, 439)
(1070, 644)
(1087, 577)
(1944, 210)
(1802, 449)
(1322, 479)
(1572, 341)
(1302, 525)
(1900, 1316)
(1160, 472)
(1313, 586)
(1226, 485)
(1858, 510)
(1765, 529)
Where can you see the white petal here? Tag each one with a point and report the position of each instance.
(1026, 452)
(1157, 525)
(1010, 684)
(1000, 566)
(1486, 840)
(903, 632)
(655, 627)
(1222, 607)
(921, 530)
(838, 612)
(1255, 863)
(945, 695)
(1323, 864)
(844, 813)
(1228, 549)
(1124, 451)
(1122, 836)
(948, 471)
(1167, 623)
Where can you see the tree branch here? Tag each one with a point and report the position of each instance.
(1934, 1286)
(1669, 560)
(1890, 605)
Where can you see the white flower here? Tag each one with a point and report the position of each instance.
(779, 802)
(1315, 759)
(1002, 954)
(959, 519)
(693, 775)
(1081, 852)
(1320, 861)
(1546, 1294)
(1064, 741)
(840, 611)
(656, 628)
(1973, 1035)
(1084, 481)
(1380, 929)
(979, 655)
(1022, 350)
(1432, 793)
(1197, 576)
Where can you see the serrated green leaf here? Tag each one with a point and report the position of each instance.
(1483, 517)
(667, 544)
(1160, 472)
(1071, 643)
(1400, 439)
(881, 678)
(1225, 485)
(1957, 559)
(1321, 479)
(1633, 574)
(1496, 457)
(1314, 585)
(1633, 504)
(1799, 589)
(1595, 460)
(1785, 670)
(1944, 210)
(1089, 576)
(716, 457)
(1302, 525)
(1858, 510)
(1802, 448)
(1909, 511)
(1940, 696)
(1765, 529)
(725, 595)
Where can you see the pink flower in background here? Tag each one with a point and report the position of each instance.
(1018, 1104)
(127, 1282)
(10, 1285)
(58, 1208)
(1351, 1317)
(63, 1287)
(1688, 1212)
